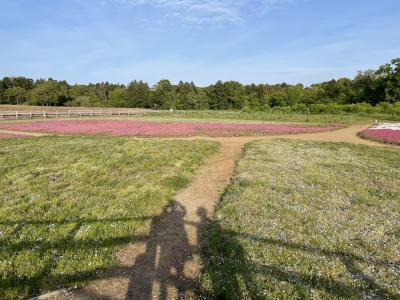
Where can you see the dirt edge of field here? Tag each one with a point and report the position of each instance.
(23, 133)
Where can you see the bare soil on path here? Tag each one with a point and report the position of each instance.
(344, 135)
(166, 263)
(26, 133)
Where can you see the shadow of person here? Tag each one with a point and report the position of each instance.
(158, 273)
(202, 227)
(224, 261)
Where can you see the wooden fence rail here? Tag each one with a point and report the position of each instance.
(64, 114)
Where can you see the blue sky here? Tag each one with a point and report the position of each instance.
(260, 41)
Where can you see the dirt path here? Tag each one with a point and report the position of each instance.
(165, 265)
(28, 133)
(345, 135)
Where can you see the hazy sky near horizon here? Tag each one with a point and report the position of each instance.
(260, 41)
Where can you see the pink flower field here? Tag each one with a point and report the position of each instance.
(146, 128)
(382, 135)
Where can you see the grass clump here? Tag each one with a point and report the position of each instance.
(68, 204)
(307, 220)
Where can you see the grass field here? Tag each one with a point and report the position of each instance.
(68, 204)
(226, 116)
(299, 220)
(307, 220)
(345, 119)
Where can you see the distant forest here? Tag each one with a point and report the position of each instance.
(367, 90)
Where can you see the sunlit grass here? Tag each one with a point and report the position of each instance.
(307, 220)
(68, 204)
(240, 116)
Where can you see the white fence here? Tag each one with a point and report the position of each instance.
(64, 114)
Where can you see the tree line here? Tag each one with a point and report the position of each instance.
(370, 87)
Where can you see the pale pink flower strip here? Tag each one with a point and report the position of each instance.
(146, 128)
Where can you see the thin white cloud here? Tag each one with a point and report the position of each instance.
(208, 11)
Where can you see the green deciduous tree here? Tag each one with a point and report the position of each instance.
(138, 95)
(15, 95)
(49, 93)
(162, 96)
(118, 97)
(389, 80)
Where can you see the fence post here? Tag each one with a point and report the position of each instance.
(110, 113)
(91, 113)
(16, 114)
(30, 114)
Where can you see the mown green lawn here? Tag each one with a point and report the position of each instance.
(307, 220)
(68, 204)
(240, 116)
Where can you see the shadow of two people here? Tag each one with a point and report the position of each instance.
(159, 271)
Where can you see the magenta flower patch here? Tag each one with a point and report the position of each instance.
(383, 135)
(146, 128)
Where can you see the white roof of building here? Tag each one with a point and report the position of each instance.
(391, 126)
